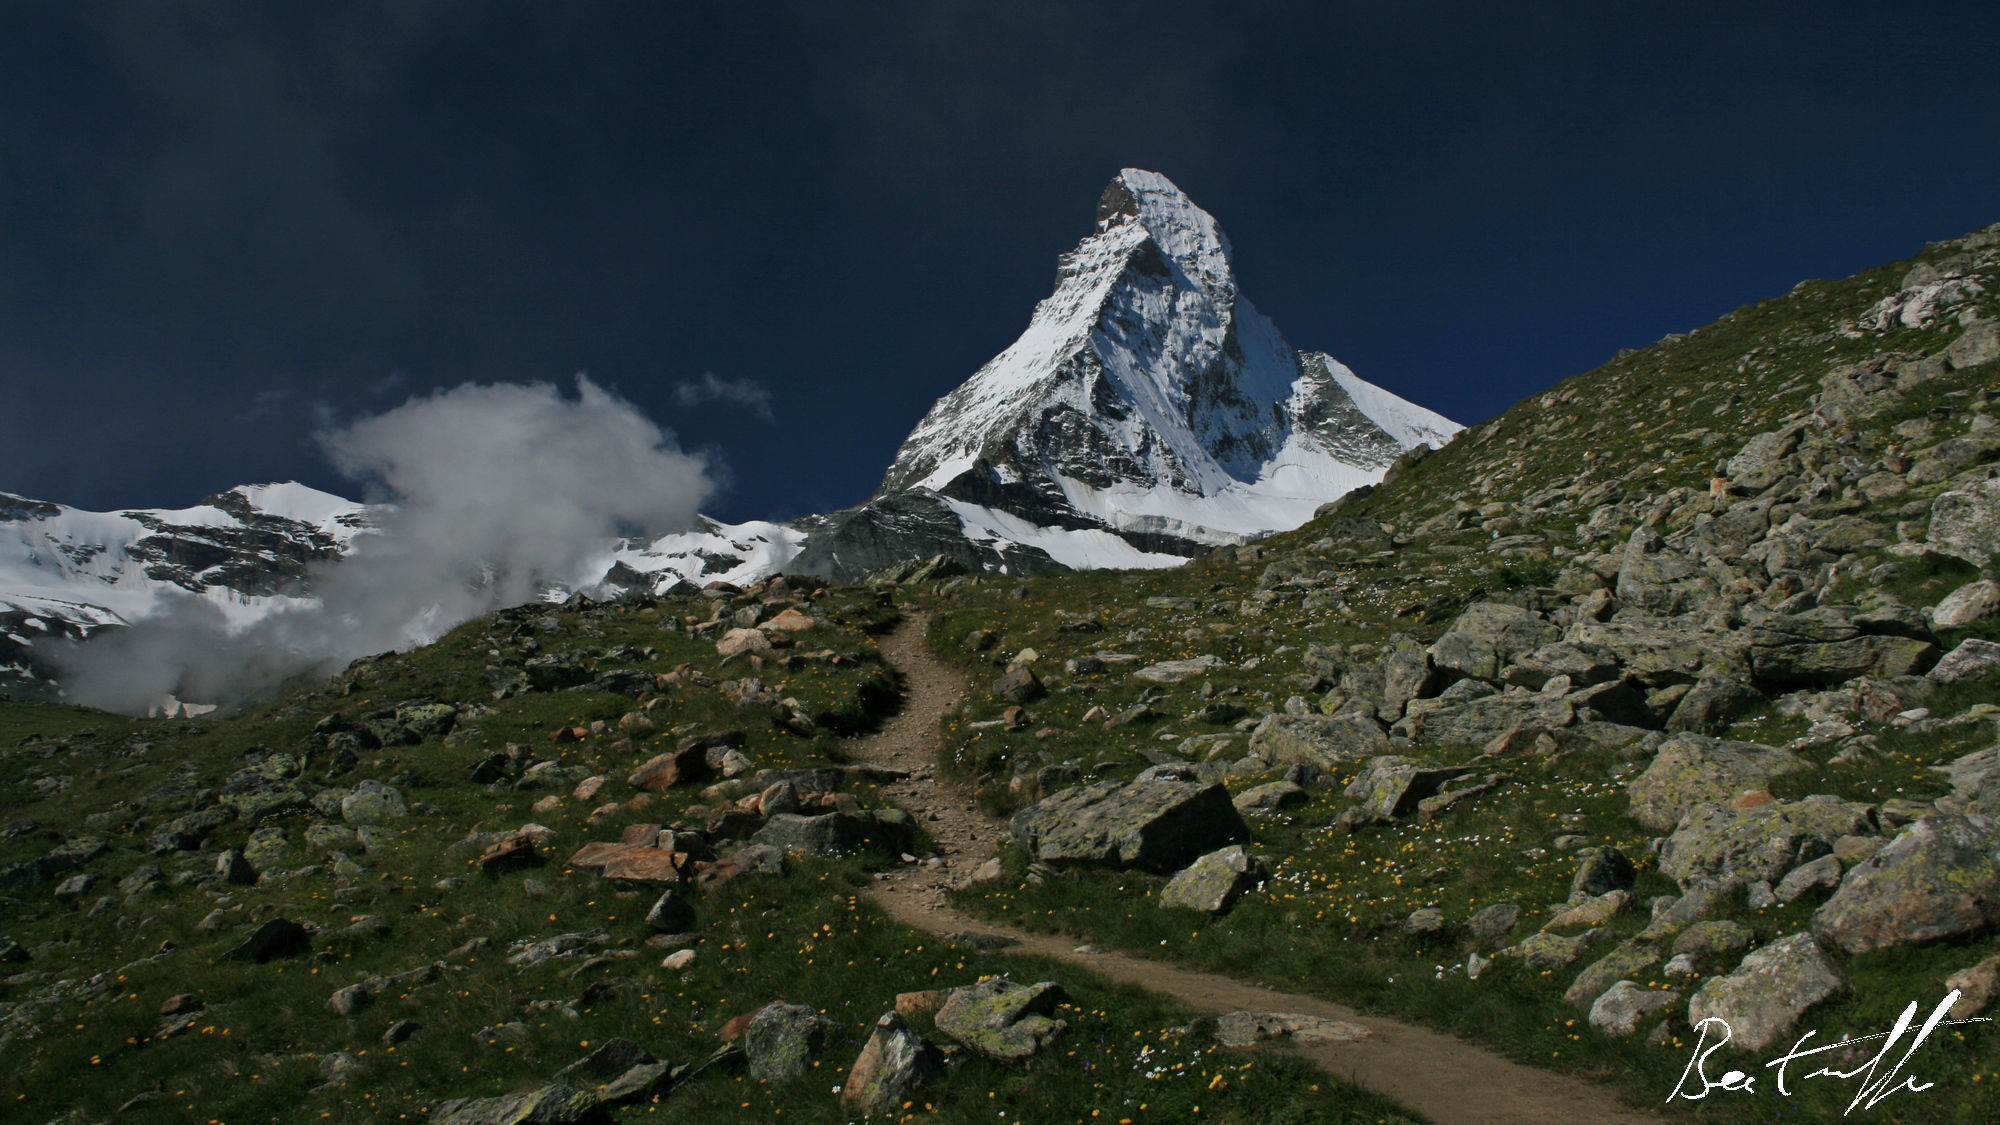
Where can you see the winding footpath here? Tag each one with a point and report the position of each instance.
(1446, 1079)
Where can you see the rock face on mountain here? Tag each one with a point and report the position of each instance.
(1149, 412)
(244, 552)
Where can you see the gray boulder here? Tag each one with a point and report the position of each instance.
(1691, 768)
(782, 1040)
(836, 833)
(892, 1062)
(1445, 721)
(1973, 659)
(1965, 523)
(1212, 883)
(373, 802)
(1768, 992)
(1390, 786)
(1713, 703)
(1487, 637)
(1938, 879)
(1626, 1005)
(1974, 601)
(1317, 740)
(1158, 824)
(1174, 671)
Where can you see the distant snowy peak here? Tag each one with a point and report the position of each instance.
(1148, 401)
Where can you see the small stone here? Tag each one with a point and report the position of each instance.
(347, 1001)
(671, 914)
(1625, 1005)
(677, 960)
(1428, 920)
(1494, 921)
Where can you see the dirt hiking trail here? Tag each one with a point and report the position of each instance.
(1445, 1079)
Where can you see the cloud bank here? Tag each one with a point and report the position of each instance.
(488, 495)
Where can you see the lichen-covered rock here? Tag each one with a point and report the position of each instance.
(835, 833)
(1691, 768)
(1157, 824)
(1212, 883)
(1001, 1020)
(1712, 704)
(1822, 873)
(1768, 992)
(1174, 671)
(782, 1040)
(1270, 796)
(551, 1105)
(373, 802)
(1389, 786)
(1626, 960)
(1317, 740)
(892, 1062)
(1938, 879)
(1445, 721)
(1720, 846)
(1717, 935)
(1545, 950)
(1625, 1005)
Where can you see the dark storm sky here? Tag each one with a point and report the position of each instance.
(224, 227)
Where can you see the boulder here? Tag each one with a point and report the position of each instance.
(373, 802)
(1689, 769)
(1977, 987)
(737, 642)
(1002, 1020)
(1406, 674)
(1713, 703)
(1623, 962)
(671, 914)
(892, 1062)
(1973, 659)
(677, 767)
(1826, 663)
(1584, 665)
(1601, 871)
(1020, 685)
(1719, 846)
(1389, 786)
(1625, 1005)
(1447, 722)
(1657, 579)
(1212, 883)
(837, 833)
(1317, 740)
(1965, 523)
(1938, 879)
(1822, 873)
(782, 1040)
(1158, 824)
(1974, 601)
(1486, 638)
(1767, 993)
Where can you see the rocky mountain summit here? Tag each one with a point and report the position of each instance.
(1149, 412)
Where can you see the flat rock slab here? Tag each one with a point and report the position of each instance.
(1243, 1029)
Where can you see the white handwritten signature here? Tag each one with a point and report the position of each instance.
(1877, 1083)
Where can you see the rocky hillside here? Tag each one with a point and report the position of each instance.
(1672, 692)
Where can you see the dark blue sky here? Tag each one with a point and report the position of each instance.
(223, 226)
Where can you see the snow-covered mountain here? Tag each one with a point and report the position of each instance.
(1148, 412)
(68, 572)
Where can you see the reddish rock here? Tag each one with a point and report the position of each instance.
(790, 621)
(547, 804)
(737, 642)
(183, 1003)
(1751, 799)
(1014, 718)
(734, 1029)
(647, 865)
(595, 853)
(635, 722)
(644, 835)
(517, 850)
(929, 1000)
(568, 734)
(589, 787)
(677, 767)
